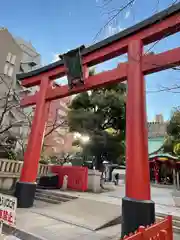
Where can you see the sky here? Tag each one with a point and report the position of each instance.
(56, 26)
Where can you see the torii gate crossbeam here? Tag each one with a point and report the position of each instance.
(137, 206)
(150, 64)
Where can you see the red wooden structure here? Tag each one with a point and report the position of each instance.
(159, 231)
(170, 162)
(77, 176)
(137, 207)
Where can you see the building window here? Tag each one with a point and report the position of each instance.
(54, 149)
(11, 58)
(9, 65)
(6, 68)
(8, 59)
(10, 71)
(61, 112)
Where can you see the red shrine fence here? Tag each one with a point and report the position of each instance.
(77, 177)
(159, 231)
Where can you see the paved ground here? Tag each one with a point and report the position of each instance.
(161, 196)
(46, 226)
(5, 237)
(176, 237)
(11, 237)
(85, 213)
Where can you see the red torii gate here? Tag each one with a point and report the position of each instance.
(137, 207)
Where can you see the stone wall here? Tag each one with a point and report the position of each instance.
(156, 129)
(10, 172)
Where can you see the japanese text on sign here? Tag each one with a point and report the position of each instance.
(8, 205)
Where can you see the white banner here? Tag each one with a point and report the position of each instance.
(8, 206)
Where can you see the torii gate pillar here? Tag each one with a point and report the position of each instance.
(137, 208)
(26, 187)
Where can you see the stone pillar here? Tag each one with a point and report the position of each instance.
(174, 177)
(94, 177)
(177, 177)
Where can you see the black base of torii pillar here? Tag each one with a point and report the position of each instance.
(26, 187)
(137, 207)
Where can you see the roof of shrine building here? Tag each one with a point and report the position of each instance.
(155, 144)
(104, 43)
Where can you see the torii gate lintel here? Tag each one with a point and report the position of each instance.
(151, 63)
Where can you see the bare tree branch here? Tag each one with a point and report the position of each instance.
(166, 89)
(114, 14)
(54, 127)
(9, 127)
(121, 9)
(10, 104)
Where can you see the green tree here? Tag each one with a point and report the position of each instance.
(176, 149)
(168, 145)
(173, 128)
(100, 114)
(173, 131)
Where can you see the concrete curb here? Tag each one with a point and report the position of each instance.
(21, 234)
(162, 186)
(163, 215)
